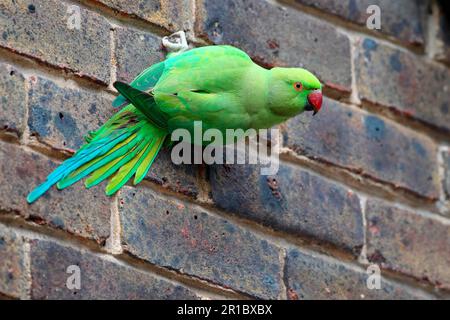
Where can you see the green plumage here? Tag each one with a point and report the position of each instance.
(218, 85)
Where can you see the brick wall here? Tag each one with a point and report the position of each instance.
(366, 181)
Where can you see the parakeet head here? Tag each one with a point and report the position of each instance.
(294, 90)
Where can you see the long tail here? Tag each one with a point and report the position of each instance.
(126, 145)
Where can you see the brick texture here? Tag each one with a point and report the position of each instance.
(136, 51)
(443, 37)
(99, 278)
(408, 242)
(61, 117)
(366, 181)
(404, 20)
(172, 15)
(40, 29)
(12, 101)
(400, 80)
(378, 148)
(294, 200)
(174, 234)
(79, 211)
(255, 27)
(12, 263)
(314, 276)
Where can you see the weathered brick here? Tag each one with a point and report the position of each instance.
(405, 20)
(182, 178)
(43, 30)
(180, 236)
(12, 263)
(100, 278)
(404, 82)
(367, 144)
(136, 51)
(446, 157)
(300, 40)
(294, 200)
(314, 276)
(172, 15)
(75, 209)
(409, 242)
(12, 99)
(443, 36)
(61, 117)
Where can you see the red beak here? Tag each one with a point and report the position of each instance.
(315, 100)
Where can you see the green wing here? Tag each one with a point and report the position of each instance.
(146, 80)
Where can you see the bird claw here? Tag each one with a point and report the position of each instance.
(175, 43)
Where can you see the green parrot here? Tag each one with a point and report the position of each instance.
(218, 85)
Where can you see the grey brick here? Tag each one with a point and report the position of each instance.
(294, 200)
(101, 278)
(172, 15)
(12, 99)
(40, 29)
(79, 211)
(276, 36)
(403, 82)
(314, 276)
(405, 20)
(136, 51)
(12, 263)
(61, 117)
(409, 242)
(182, 237)
(369, 145)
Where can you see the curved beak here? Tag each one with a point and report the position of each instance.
(314, 101)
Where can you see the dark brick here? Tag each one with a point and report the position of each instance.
(294, 200)
(182, 178)
(367, 144)
(172, 15)
(300, 40)
(405, 20)
(12, 99)
(136, 51)
(314, 276)
(43, 33)
(101, 278)
(61, 117)
(180, 236)
(75, 209)
(409, 242)
(443, 36)
(12, 263)
(402, 81)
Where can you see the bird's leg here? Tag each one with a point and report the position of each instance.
(176, 43)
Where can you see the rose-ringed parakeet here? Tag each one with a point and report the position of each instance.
(218, 85)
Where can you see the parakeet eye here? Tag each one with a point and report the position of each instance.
(298, 86)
